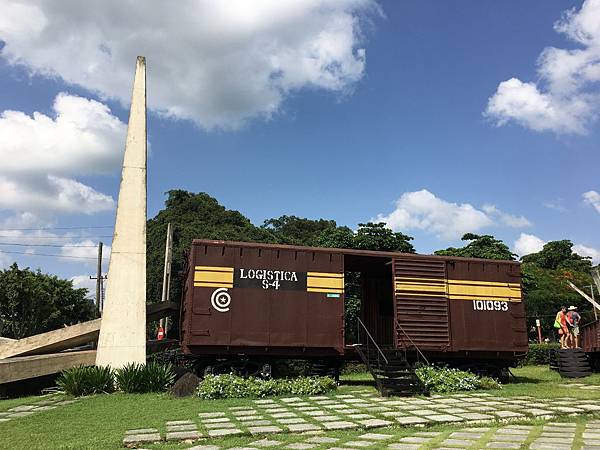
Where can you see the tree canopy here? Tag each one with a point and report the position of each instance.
(33, 302)
(485, 246)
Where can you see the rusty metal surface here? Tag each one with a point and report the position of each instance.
(294, 314)
(590, 337)
(421, 303)
(493, 322)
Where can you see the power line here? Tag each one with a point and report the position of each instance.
(56, 228)
(47, 254)
(48, 245)
(8, 236)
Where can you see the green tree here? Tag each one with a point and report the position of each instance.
(33, 302)
(377, 236)
(193, 216)
(294, 230)
(559, 255)
(486, 247)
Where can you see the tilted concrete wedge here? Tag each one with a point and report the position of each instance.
(25, 367)
(52, 341)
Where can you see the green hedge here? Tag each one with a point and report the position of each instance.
(82, 380)
(232, 386)
(539, 354)
(445, 379)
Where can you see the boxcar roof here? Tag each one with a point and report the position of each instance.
(345, 251)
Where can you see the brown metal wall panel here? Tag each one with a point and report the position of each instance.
(490, 316)
(301, 313)
(590, 337)
(421, 303)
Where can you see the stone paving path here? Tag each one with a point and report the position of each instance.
(585, 387)
(356, 410)
(28, 410)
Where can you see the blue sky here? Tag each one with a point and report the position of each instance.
(360, 110)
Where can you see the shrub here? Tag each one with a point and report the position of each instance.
(539, 354)
(233, 386)
(140, 378)
(81, 380)
(446, 379)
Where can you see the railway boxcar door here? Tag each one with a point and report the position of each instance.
(421, 303)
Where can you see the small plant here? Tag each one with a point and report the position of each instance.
(233, 386)
(141, 378)
(446, 379)
(82, 380)
(540, 354)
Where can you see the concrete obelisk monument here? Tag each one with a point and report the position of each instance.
(123, 331)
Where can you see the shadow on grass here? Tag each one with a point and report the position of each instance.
(358, 383)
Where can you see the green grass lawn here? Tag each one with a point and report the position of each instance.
(100, 421)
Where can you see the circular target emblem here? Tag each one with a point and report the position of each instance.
(220, 299)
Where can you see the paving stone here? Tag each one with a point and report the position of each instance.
(303, 427)
(284, 415)
(210, 415)
(341, 425)
(318, 397)
(291, 420)
(327, 418)
(22, 414)
(22, 408)
(141, 431)
(178, 422)
(265, 443)
(256, 423)
(223, 432)
(393, 414)
(300, 446)
(264, 402)
(548, 446)
(507, 414)
(189, 427)
(290, 399)
(555, 440)
(476, 416)
(512, 431)
(323, 440)
(217, 420)
(376, 436)
(359, 443)
(444, 418)
(204, 447)
(360, 416)
(496, 444)
(458, 443)
(429, 433)
(374, 423)
(248, 412)
(589, 435)
(141, 438)
(411, 420)
(264, 429)
(510, 437)
(182, 435)
(247, 418)
(213, 426)
(466, 435)
(414, 440)
(4, 419)
(44, 408)
(403, 446)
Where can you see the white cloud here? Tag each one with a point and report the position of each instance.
(422, 210)
(76, 251)
(83, 281)
(39, 154)
(217, 63)
(528, 243)
(592, 198)
(506, 219)
(583, 250)
(566, 99)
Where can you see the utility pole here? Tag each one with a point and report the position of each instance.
(99, 280)
(595, 312)
(166, 287)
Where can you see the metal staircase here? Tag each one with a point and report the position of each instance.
(389, 367)
(571, 363)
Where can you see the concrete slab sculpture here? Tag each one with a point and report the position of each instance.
(122, 337)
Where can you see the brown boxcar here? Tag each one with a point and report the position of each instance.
(259, 300)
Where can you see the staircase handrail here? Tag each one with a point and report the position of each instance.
(411, 341)
(360, 322)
